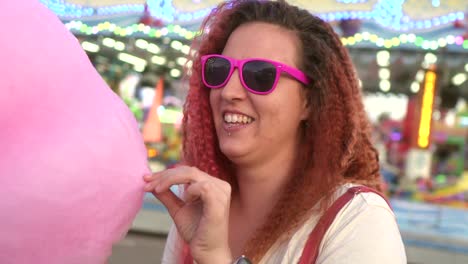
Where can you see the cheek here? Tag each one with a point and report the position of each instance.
(285, 110)
(214, 98)
(269, 110)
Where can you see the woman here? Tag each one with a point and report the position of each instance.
(274, 133)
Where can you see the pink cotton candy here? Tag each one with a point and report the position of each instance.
(71, 155)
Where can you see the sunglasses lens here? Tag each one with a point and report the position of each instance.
(259, 75)
(216, 71)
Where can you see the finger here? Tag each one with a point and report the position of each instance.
(153, 176)
(170, 201)
(151, 185)
(159, 174)
(214, 196)
(147, 177)
(192, 193)
(152, 180)
(179, 175)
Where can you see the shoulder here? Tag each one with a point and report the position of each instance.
(362, 202)
(364, 230)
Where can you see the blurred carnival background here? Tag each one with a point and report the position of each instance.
(412, 60)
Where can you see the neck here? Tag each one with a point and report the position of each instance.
(260, 186)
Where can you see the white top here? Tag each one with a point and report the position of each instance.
(364, 231)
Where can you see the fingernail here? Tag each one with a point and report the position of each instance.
(147, 176)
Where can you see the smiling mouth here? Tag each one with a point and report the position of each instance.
(233, 122)
(237, 119)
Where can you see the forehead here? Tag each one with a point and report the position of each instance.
(263, 40)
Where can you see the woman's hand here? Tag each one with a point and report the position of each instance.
(202, 217)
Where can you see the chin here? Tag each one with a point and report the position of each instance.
(232, 151)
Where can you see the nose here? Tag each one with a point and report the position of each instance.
(233, 90)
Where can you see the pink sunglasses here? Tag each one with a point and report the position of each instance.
(259, 76)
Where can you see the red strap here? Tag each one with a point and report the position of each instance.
(188, 259)
(310, 251)
(187, 256)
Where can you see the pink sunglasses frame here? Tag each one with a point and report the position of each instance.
(280, 67)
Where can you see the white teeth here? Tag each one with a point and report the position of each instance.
(236, 118)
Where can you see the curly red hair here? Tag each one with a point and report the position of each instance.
(336, 146)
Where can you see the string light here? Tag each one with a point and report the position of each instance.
(90, 47)
(67, 10)
(164, 10)
(78, 26)
(141, 29)
(415, 86)
(387, 13)
(82, 28)
(390, 14)
(405, 39)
